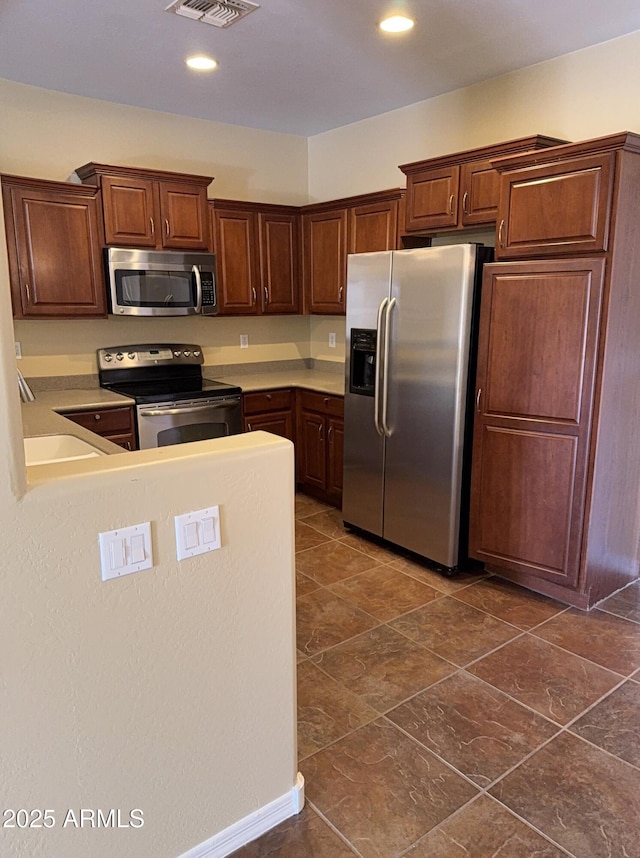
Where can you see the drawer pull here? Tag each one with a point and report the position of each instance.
(269, 397)
(97, 417)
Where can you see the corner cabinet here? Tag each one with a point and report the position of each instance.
(55, 250)
(459, 190)
(258, 257)
(151, 208)
(332, 230)
(555, 503)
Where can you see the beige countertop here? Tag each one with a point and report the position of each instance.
(43, 416)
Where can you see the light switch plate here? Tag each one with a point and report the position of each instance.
(197, 532)
(244, 341)
(126, 550)
(332, 340)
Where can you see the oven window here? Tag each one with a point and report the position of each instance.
(192, 432)
(155, 288)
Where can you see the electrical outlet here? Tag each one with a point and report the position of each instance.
(332, 340)
(244, 341)
(18, 350)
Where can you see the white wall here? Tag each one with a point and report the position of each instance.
(586, 94)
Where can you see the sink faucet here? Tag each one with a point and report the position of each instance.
(26, 394)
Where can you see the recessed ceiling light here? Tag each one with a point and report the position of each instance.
(396, 24)
(201, 63)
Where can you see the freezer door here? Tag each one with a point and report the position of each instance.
(368, 284)
(428, 357)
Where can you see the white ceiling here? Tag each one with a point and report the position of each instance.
(298, 66)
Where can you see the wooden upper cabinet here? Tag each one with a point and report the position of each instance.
(361, 224)
(280, 261)
(258, 261)
(55, 249)
(325, 260)
(373, 226)
(236, 260)
(459, 190)
(537, 363)
(556, 208)
(152, 208)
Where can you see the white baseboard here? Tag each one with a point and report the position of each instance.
(252, 826)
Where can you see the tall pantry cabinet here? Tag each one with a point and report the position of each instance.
(556, 464)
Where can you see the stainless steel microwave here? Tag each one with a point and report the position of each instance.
(160, 283)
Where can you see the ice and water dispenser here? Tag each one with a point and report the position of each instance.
(363, 361)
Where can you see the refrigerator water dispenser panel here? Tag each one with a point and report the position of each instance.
(363, 361)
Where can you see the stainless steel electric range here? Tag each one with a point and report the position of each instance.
(174, 403)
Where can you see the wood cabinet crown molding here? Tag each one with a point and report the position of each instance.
(88, 191)
(535, 141)
(358, 200)
(90, 173)
(624, 141)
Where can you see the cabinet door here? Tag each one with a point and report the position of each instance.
(311, 449)
(373, 227)
(280, 262)
(236, 261)
(335, 439)
(432, 199)
(479, 193)
(184, 212)
(325, 261)
(535, 387)
(54, 244)
(129, 212)
(558, 208)
(277, 423)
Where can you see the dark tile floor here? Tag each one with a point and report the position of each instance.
(456, 718)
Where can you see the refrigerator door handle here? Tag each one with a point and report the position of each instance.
(385, 367)
(379, 364)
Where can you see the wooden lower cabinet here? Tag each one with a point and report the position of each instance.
(115, 424)
(536, 381)
(270, 411)
(320, 445)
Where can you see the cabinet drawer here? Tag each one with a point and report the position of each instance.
(104, 421)
(267, 400)
(333, 405)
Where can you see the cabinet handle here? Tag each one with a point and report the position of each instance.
(330, 433)
(166, 226)
(255, 297)
(451, 199)
(152, 225)
(266, 295)
(97, 417)
(340, 293)
(249, 427)
(501, 233)
(269, 397)
(320, 428)
(478, 395)
(127, 445)
(27, 289)
(465, 198)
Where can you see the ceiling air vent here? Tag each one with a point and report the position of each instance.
(223, 13)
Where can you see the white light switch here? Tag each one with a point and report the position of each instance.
(197, 532)
(126, 550)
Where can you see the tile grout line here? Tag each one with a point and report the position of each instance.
(333, 827)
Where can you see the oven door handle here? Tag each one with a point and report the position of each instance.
(188, 409)
(196, 274)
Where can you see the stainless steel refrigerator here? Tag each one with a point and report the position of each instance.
(410, 370)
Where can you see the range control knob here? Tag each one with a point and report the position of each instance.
(108, 357)
(187, 353)
(131, 355)
(196, 354)
(176, 354)
(119, 356)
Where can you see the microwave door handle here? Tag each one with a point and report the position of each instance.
(188, 409)
(196, 274)
(379, 361)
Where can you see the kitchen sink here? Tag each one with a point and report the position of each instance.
(44, 449)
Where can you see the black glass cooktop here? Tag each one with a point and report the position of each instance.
(173, 389)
